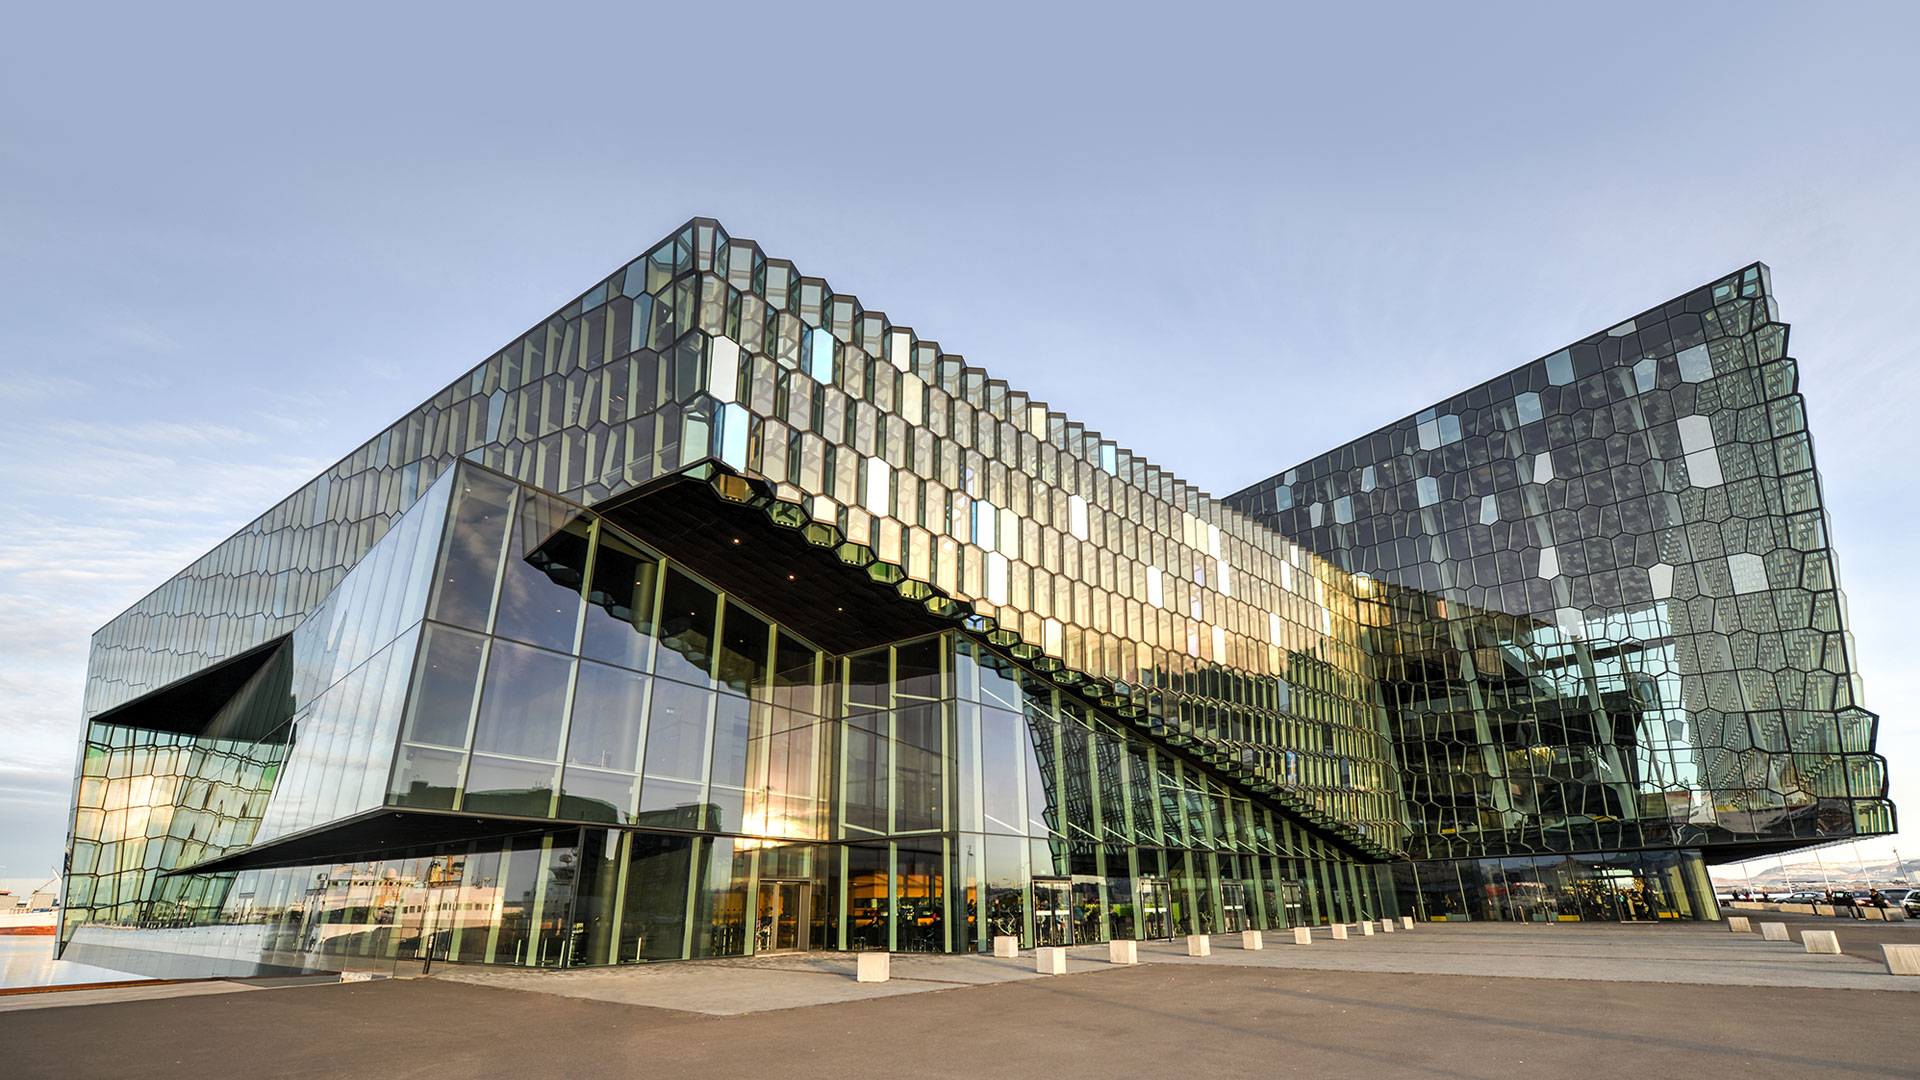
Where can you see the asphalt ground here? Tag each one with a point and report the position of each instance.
(1172, 1020)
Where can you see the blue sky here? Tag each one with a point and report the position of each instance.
(235, 241)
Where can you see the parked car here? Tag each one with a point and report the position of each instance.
(1911, 905)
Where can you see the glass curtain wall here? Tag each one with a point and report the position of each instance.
(693, 779)
(305, 740)
(1634, 886)
(1601, 598)
(1071, 830)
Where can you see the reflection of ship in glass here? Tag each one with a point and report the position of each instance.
(36, 913)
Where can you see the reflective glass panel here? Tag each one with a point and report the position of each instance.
(687, 615)
(653, 920)
(677, 731)
(523, 703)
(540, 587)
(443, 692)
(426, 777)
(743, 650)
(609, 709)
(619, 627)
(476, 534)
(498, 785)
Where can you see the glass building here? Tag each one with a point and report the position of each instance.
(1604, 617)
(718, 615)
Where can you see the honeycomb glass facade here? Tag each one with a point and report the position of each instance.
(1601, 600)
(718, 614)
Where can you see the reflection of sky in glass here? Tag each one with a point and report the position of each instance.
(28, 961)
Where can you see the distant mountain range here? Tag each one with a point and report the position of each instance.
(1811, 873)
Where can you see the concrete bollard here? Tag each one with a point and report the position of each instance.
(1366, 928)
(1050, 961)
(872, 967)
(1339, 931)
(1123, 952)
(1006, 946)
(1821, 941)
(1740, 924)
(1302, 936)
(1251, 939)
(1387, 925)
(1902, 959)
(1199, 945)
(1406, 922)
(1823, 909)
(1774, 931)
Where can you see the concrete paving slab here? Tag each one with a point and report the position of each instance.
(733, 987)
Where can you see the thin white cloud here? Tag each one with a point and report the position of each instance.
(99, 515)
(34, 386)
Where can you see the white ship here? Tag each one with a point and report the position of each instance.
(35, 913)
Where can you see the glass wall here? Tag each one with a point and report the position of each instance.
(693, 779)
(1072, 829)
(1060, 543)
(1635, 886)
(306, 739)
(1601, 598)
(568, 671)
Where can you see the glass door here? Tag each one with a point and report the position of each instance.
(1052, 912)
(1156, 908)
(780, 913)
(1233, 907)
(1088, 926)
(1639, 897)
(1292, 904)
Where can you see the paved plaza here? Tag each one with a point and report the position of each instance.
(1692, 953)
(1461, 1000)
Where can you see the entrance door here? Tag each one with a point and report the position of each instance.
(780, 916)
(1052, 912)
(1292, 904)
(1233, 907)
(1156, 908)
(1635, 898)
